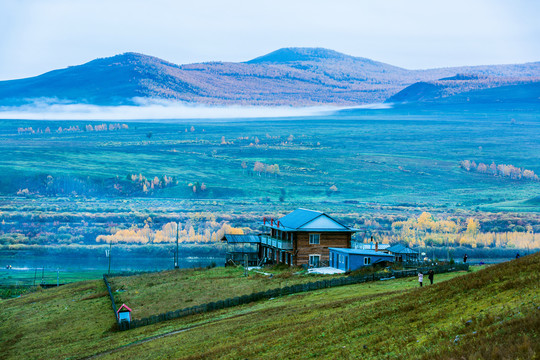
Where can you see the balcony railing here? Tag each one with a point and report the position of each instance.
(277, 243)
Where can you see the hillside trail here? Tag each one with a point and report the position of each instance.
(152, 338)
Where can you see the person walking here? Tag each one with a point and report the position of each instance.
(517, 256)
(420, 278)
(464, 258)
(431, 274)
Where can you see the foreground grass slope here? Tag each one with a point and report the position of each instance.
(490, 314)
(155, 293)
(494, 312)
(75, 320)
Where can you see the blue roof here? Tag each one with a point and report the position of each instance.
(238, 239)
(361, 252)
(401, 249)
(299, 217)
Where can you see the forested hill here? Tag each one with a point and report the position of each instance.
(290, 76)
(472, 89)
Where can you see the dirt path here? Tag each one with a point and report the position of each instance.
(152, 338)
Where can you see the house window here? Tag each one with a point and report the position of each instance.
(314, 239)
(314, 260)
(367, 260)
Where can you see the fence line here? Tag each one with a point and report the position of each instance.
(272, 293)
(106, 281)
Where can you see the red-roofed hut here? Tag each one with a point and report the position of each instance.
(124, 313)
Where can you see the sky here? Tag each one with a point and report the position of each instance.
(43, 35)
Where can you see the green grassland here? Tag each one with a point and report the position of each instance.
(486, 314)
(36, 277)
(382, 156)
(155, 293)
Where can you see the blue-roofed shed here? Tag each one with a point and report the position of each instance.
(240, 246)
(354, 259)
(403, 254)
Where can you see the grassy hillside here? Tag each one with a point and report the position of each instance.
(488, 314)
(476, 90)
(155, 293)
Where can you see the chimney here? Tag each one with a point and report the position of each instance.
(278, 223)
(271, 222)
(376, 246)
(264, 221)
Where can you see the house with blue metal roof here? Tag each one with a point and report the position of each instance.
(303, 237)
(354, 259)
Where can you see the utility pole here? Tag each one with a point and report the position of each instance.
(110, 248)
(176, 253)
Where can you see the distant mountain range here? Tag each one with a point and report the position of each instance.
(289, 76)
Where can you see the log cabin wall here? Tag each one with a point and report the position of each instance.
(327, 239)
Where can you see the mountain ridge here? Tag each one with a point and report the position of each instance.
(288, 76)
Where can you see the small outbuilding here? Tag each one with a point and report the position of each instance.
(403, 254)
(354, 259)
(124, 313)
(239, 246)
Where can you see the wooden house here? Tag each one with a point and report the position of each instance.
(303, 237)
(354, 259)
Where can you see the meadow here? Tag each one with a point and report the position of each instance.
(155, 293)
(487, 313)
(386, 156)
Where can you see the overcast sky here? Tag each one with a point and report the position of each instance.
(42, 35)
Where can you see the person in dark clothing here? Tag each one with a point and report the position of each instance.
(517, 256)
(431, 274)
(464, 258)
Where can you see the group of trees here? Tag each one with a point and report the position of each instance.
(73, 128)
(501, 170)
(103, 127)
(206, 232)
(197, 187)
(147, 186)
(429, 230)
(262, 168)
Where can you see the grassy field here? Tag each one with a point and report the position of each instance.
(48, 276)
(391, 156)
(155, 293)
(493, 313)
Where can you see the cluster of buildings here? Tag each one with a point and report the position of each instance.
(313, 239)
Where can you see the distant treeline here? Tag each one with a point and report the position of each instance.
(502, 170)
(72, 128)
